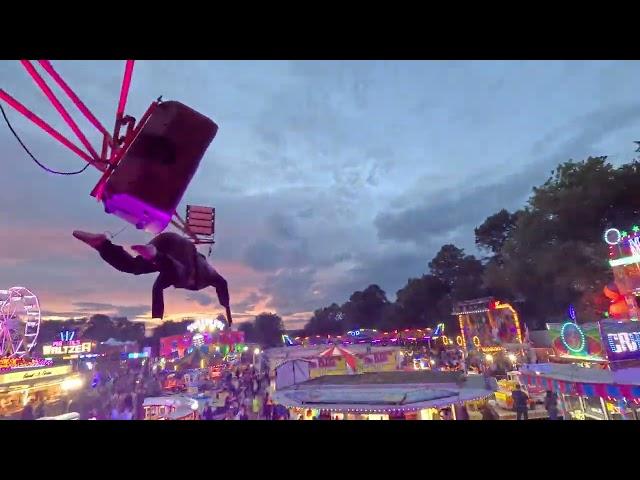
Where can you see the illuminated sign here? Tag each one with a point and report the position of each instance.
(67, 335)
(574, 347)
(612, 236)
(354, 333)
(7, 364)
(74, 347)
(569, 339)
(206, 325)
(439, 330)
(622, 340)
(138, 355)
(26, 375)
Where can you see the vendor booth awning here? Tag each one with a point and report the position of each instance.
(588, 382)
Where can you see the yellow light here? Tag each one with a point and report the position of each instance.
(512, 358)
(73, 383)
(202, 363)
(256, 351)
(516, 319)
(476, 341)
(461, 323)
(488, 357)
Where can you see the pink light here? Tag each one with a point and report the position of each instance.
(44, 125)
(56, 103)
(124, 91)
(74, 98)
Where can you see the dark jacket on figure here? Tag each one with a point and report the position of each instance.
(520, 400)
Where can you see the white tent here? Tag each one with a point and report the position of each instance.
(292, 372)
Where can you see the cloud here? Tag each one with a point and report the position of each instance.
(326, 176)
(129, 311)
(200, 298)
(467, 207)
(249, 302)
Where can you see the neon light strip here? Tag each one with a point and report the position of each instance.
(46, 64)
(46, 127)
(58, 106)
(625, 261)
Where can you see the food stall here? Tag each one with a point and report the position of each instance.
(19, 386)
(588, 393)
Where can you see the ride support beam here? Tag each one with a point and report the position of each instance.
(124, 93)
(59, 107)
(46, 65)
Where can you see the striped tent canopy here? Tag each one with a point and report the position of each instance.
(337, 351)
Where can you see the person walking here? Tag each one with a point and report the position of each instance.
(551, 405)
(520, 403)
(27, 412)
(207, 414)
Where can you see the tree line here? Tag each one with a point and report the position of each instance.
(542, 258)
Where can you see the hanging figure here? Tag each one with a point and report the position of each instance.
(176, 259)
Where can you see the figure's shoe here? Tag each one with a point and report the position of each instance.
(94, 240)
(147, 252)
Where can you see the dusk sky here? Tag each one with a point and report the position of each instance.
(327, 176)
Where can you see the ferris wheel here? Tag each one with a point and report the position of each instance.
(19, 321)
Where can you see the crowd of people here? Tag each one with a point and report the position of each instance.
(244, 395)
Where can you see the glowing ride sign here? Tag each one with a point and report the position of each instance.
(206, 325)
(622, 340)
(66, 348)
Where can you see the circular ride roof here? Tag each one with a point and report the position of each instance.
(376, 393)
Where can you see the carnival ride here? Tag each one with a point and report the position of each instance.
(19, 321)
(624, 260)
(146, 170)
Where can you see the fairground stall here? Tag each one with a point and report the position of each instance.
(588, 393)
(34, 381)
(418, 395)
(334, 360)
(490, 332)
(206, 333)
(624, 259)
(374, 337)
